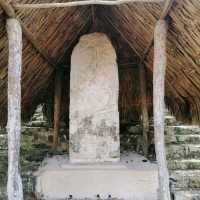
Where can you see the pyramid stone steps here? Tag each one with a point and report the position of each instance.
(183, 155)
(186, 179)
(183, 151)
(37, 123)
(35, 129)
(188, 164)
(187, 195)
(187, 139)
(186, 130)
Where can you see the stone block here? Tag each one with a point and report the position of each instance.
(129, 179)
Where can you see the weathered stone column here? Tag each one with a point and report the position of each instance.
(94, 85)
(14, 185)
(160, 63)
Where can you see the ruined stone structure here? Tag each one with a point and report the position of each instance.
(94, 117)
(157, 69)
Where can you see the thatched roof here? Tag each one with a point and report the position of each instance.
(130, 27)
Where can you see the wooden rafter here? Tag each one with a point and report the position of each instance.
(80, 3)
(122, 35)
(10, 12)
(93, 14)
(72, 41)
(36, 45)
(167, 6)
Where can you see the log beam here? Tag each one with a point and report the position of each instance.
(8, 9)
(14, 184)
(29, 36)
(57, 107)
(80, 3)
(159, 67)
(167, 6)
(10, 12)
(144, 108)
(122, 35)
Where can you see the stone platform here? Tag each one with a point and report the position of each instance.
(130, 179)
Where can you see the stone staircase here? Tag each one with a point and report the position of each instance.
(183, 155)
(32, 152)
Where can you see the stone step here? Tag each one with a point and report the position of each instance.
(186, 130)
(186, 179)
(38, 117)
(188, 164)
(37, 123)
(187, 139)
(2, 131)
(170, 120)
(187, 195)
(3, 153)
(183, 151)
(32, 130)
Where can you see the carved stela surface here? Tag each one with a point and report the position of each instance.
(94, 86)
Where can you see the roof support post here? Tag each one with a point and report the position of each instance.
(144, 108)
(14, 184)
(57, 107)
(160, 62)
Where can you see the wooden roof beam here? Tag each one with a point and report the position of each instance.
(167, 6)
(80, 3)
(37, 47)
(122, 35)
(7, 8)
(10, 12)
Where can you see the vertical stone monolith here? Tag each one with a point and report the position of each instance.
(94, 87)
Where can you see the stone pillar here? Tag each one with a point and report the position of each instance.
(94, 87)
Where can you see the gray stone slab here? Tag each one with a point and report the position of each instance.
(94, 116)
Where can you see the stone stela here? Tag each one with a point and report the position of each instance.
(94, 88)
